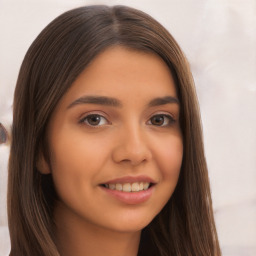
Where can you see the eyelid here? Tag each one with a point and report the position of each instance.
(171, 118)
(93, 113)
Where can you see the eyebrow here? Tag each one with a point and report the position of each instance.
(98, 100)
(108, 101)
(163, 101)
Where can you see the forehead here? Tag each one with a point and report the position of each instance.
(119, 72)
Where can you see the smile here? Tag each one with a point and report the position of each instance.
(128, 187)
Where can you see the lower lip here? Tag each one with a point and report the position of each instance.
(130, 197)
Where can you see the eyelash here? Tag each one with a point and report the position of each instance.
(84, 120)
(168, 120)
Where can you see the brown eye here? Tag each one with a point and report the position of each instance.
(94, 120)
(161, 120)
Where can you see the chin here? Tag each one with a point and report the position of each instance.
(131, 222)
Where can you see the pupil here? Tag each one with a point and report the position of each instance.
(158, 120)
(94, 120)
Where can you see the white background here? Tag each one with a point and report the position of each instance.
(219, 39)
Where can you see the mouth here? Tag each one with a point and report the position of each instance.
(130, 190)
(129, 187)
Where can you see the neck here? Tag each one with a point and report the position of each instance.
(77, 237)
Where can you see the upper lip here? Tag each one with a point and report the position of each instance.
(130, 179)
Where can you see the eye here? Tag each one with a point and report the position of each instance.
(161, 120)
(94, 120)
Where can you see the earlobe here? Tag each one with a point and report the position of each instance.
(42, 165)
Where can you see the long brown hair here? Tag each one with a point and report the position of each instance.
(55, 59)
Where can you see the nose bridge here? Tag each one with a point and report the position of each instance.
(132, 145)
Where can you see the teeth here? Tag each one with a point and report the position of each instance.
(112, 186)
(119, 187)
(145, 185)
(129, 187)
(135, 187)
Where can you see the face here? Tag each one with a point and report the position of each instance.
(115, 142)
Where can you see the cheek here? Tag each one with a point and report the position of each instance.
(76, 161)
(170, 156)
(75, 169)
(68, 170)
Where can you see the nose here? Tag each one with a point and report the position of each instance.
(132, 147)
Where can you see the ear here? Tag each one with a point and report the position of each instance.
(42, 165)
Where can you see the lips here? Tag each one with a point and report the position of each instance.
(130, 190)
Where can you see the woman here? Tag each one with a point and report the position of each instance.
(107, 153)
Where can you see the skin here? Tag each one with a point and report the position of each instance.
(131, 139)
